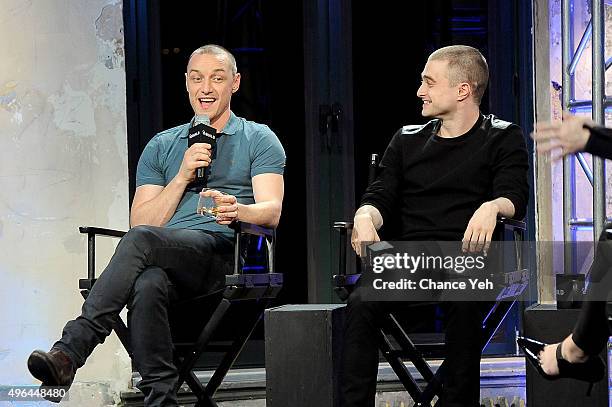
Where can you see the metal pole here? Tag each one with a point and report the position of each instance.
(567, 45)
(585, 167)
(581, 46)
(598, 92)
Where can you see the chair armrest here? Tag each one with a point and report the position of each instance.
(252, 229)
(513, 223)
(517, 226)
(92, 232)
(340, 226)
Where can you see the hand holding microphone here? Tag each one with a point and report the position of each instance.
(202, 140)
(196, 157)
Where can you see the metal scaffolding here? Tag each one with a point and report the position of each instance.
(597, 177)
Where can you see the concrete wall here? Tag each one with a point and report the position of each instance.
(63, 163)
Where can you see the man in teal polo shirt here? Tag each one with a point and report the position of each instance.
(168, 241)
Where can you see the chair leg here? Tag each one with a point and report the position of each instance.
(494, 319)
(189, 362)
(399, 368)
(204, 400)
(434, 385)
(415, 356)
(235, 349)
(123, 334)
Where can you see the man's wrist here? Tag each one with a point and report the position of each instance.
(179, 181)
(370, 214)
(239, 208)
(364, 216)
(493, 206)
(585, 134)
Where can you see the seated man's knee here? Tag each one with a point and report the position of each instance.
(140, 237)
(140, 232)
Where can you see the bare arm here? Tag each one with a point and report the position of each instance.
(154, 204)
(268, 190)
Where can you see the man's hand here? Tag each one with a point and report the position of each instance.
(569, 135)
(363, 231)
(479, 232)
(196, 156)
(227, 206)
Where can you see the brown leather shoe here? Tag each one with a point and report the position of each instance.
(53, 368)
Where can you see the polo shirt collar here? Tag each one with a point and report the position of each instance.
(231, 127)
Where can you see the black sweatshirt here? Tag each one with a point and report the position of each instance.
(600, 142)
(433, 185)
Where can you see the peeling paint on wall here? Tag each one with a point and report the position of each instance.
(109, 29)
(8, 101)
(8, 94)
(63, 163)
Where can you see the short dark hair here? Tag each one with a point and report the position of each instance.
(465, 64)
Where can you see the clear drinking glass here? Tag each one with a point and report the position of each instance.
(207, 205)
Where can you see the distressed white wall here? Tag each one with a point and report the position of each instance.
(63, 163)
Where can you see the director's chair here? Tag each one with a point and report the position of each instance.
(395, 343)
(246, 294)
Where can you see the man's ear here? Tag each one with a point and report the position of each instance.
(186, 82)
(464, 90)
(236, 83)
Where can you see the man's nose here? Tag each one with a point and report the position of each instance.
(420, 91)
(206, 86)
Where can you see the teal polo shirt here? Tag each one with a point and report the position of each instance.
(244, 149)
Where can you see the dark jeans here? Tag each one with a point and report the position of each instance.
(461, 384)
(147, 260)
(591, 331)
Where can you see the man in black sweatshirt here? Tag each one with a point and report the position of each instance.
(447, 180)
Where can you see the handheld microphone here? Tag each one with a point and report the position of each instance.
(201, 132)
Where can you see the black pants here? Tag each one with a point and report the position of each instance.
(147, 261)
(591, 331)
(461, 384)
